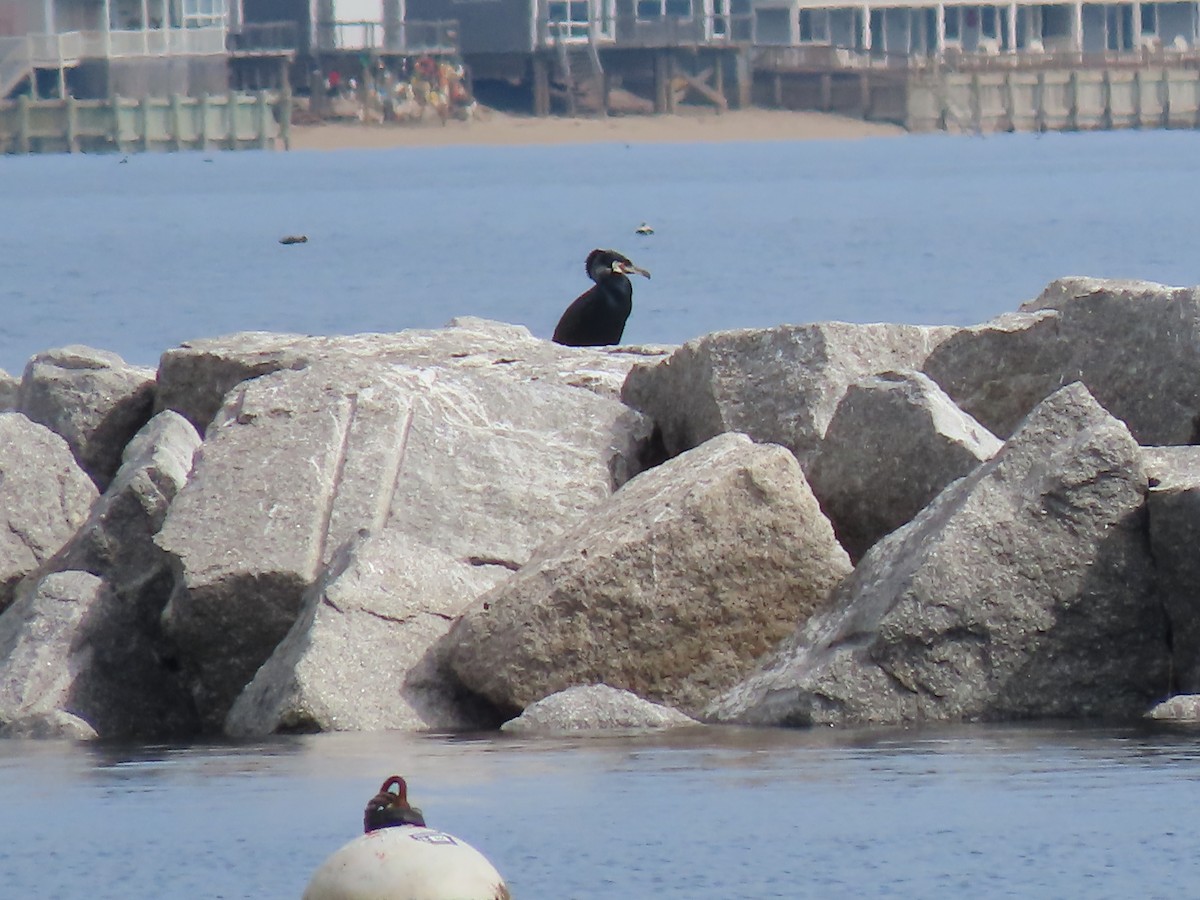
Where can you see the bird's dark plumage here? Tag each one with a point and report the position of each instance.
(597, 317)
(387, 809)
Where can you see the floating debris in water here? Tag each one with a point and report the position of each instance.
(294, 239)
(644, 229)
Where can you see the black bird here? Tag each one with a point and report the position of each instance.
(388, 809)
(597, 317)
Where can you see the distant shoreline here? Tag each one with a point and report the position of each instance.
(503, 129)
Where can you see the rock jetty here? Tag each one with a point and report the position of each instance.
(458, 528)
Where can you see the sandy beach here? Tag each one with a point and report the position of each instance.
(497, 128)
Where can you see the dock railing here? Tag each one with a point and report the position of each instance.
(263, 37)
(412, 37)
(832, 58)
(710, 30)
(21, 55)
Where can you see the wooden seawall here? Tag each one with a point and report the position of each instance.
(1054, 100)
(234, 121)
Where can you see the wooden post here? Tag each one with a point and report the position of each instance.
(671, 64)
(202, 124)
(231, 118)
(662, 85)
(864, 94)
(943, 93)
(263, 115)
(1010, 101)
(1106, 119)
(1137, 93)
(318, 100)
(114, 112)
(144, 115)
(1164, 94)
(1039, 115)
(1073, 114)
(976, 103)
(23, 142)
(826, 92)
(285, 117)
(719, 79)
(176, 122)
(71, 109)
(541, 86)
(745, 79)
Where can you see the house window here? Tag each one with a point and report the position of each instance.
(1149, 19)
(953, 23)
(1056, 22)
(203, 13)
(572, 14)
(987, 24)
(662, 9)
(814, 26)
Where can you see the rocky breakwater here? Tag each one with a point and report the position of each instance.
(441, 530)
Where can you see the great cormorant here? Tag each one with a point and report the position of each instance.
(387, 809)
(597, 317)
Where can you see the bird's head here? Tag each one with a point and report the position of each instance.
(602, 263)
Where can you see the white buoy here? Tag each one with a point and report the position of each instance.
(407, 862)
(399, 858)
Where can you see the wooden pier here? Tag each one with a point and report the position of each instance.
(233, 121)
(719, 76)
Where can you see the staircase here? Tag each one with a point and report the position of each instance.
(579, 71)
(16, 63)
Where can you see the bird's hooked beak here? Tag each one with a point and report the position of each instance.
(628, 269)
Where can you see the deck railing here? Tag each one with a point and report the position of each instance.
(161, 42)
(50, 51)
(263, 37)
(15, 62)
(411, 37)
(664, 31)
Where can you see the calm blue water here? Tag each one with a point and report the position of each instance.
(978, 812)
(137, 257)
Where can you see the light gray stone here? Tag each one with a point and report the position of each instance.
(117, 539)
(1174, 512)
(9, 386)
(194, 378)
(1024, 590)
(482, 465)
(116, 543)
(672, 589)
(778, 385)
(44, 498)
(1134, 344)
(362, 654)
(1182, 708)
(93, 399)
(52, 725)
(69, 647)
(595, 707)
(895, 440)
